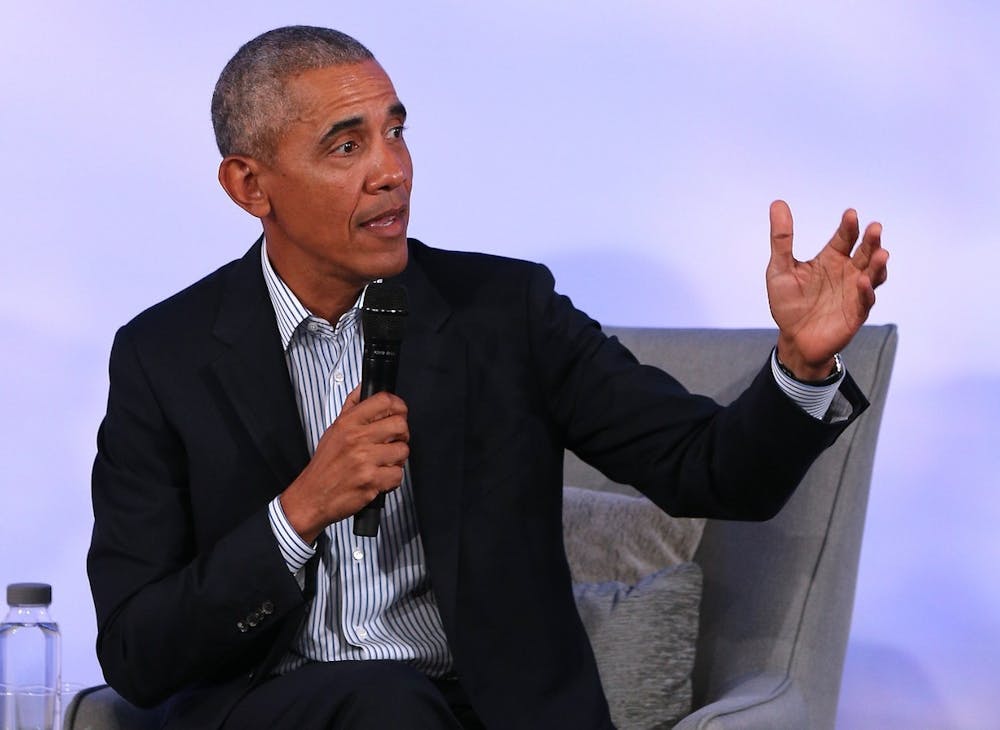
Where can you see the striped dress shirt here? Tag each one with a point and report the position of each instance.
(373, 595)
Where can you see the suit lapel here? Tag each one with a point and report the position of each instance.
(432, 382)
(253, 373)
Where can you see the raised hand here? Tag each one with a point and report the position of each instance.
(819, 305)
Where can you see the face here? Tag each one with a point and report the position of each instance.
(338, 186)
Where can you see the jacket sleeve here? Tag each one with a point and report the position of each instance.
(171, 612)
(639, 426)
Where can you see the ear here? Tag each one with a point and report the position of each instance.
(239, 175)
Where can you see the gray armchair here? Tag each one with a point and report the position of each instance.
(777, 597)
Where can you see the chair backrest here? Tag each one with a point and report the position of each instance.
(778, 595)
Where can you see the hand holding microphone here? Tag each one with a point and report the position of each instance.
(361, 455)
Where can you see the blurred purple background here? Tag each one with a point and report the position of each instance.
(634, 147)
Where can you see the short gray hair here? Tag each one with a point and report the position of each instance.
(250, 105)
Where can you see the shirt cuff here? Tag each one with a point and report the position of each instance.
(293, 548)
(813, 399)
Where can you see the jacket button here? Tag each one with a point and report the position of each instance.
(241, 626)
(252, 619)
(267, 608)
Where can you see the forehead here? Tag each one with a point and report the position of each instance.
(356, 89)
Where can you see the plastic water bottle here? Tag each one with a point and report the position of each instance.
(29, 660)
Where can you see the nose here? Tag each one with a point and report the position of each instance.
(390, 167)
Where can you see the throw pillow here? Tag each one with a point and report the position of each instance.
(612, 536)
(644, 637)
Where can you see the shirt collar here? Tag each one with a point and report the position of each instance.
(289, 312)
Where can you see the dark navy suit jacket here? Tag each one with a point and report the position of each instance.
(194, 602)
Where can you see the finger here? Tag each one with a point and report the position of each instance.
(382, 478)
(389, 478)
(866, 298)
(385, 430)
(781, 236)
(378, 406)
(847, 233)
(391, 454)
(870, 243)
(878, 272)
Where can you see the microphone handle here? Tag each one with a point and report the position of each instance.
(366, 520)
(378, 373)
(378, 370)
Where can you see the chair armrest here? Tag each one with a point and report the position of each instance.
(101, 708)
(766, 701)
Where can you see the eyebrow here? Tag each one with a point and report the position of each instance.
(396, 110)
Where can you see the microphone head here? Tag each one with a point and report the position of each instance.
(383, 312)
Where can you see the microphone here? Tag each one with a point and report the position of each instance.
(383, 319)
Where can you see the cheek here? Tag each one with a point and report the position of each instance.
(333, 202)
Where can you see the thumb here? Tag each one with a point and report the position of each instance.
(353, 399)
(781, 236)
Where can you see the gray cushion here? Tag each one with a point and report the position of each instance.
(638, 596)
(618, 537)
(644, 641)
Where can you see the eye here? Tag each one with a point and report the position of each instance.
(396, 132)
(346, 148)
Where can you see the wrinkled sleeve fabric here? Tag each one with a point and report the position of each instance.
(639, 426)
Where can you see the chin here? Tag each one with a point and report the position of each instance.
(393, 262)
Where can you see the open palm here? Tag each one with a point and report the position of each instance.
(820, 304)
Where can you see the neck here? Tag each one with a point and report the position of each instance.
(324, 304)
(323, 293)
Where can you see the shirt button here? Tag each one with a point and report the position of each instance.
(338, 376)
(311, 326)
(362, 634)
(358, 554)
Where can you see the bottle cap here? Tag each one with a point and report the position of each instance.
(29, 594)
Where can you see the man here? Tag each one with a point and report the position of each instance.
(235, 450)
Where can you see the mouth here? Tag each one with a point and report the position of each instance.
(387, 222)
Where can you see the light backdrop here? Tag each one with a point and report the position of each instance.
(634, 147)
